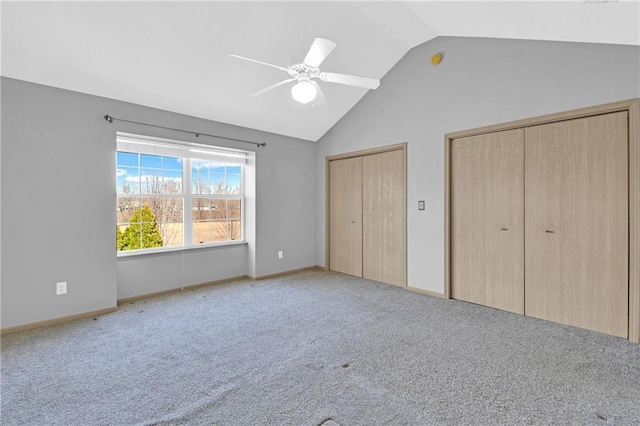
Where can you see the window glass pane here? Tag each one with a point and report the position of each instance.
(233, 184)
(210, 221)
(201, 209)
(151, 181)
(148, 222)
(128, 180)
(120, 182)
(233, 169)
(233, 224)
(220, 230)
(217, 183)
(202, 232)
(154, 161)
(125, 206)
(233, 209)
(172, 182)
(131, 227)
(195, 179)
(124, 211)
(218, 209)
(172, 163)
(148, 231)
(199, 164)
(200, 177)
(202, 184)
(171, 225)
(126, 159)
(201, 220)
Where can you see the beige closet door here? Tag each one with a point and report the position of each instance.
(487, 220)
(384, 213)
(577, 223)
(345, 216)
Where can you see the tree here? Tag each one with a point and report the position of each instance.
(119, 239)
(142, 231)
(232, 224)
(167, 210)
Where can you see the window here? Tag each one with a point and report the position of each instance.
(172, 194)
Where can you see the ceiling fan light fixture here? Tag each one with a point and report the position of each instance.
(304, 92)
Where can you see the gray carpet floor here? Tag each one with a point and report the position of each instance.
(315, 348)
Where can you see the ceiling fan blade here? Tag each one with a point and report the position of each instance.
(350, 80)
(319, 51)
(273, 86)
(320, 99)
(259, 62)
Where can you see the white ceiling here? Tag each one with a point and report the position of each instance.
(174, 55)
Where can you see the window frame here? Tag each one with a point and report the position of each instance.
(187, 195)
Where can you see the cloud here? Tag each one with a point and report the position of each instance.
(120, 172)
(150, 178)
(205, 164)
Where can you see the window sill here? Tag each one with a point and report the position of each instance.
(134, 253)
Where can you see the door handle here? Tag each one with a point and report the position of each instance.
(550, 232)
(504, 229)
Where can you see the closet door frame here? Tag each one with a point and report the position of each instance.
(632, 106)
(378, 150)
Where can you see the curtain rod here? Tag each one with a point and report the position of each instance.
(111, 119)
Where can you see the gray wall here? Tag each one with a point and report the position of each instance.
(480, 82)
(150, 273)
(286, 209)
(58, 199)
(57, 169)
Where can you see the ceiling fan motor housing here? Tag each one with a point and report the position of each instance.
(299, 70)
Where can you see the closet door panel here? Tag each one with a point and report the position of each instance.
(504, 220)
(467, 220)
(345, 216)
(487, 220)
(384, 215)
(576, 195)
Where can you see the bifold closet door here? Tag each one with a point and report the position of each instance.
(383, 218)
(487, 220)
(577, 216)
(345, 216)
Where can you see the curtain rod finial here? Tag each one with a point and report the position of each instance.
(108, 118)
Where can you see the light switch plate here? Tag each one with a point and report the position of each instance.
(420, 205)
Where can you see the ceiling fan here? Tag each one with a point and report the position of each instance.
(306, 90)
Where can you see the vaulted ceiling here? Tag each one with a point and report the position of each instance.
(174, 55)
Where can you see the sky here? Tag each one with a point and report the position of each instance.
(133, 168)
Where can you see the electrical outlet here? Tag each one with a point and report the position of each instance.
(280, 255)
(61, 288)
